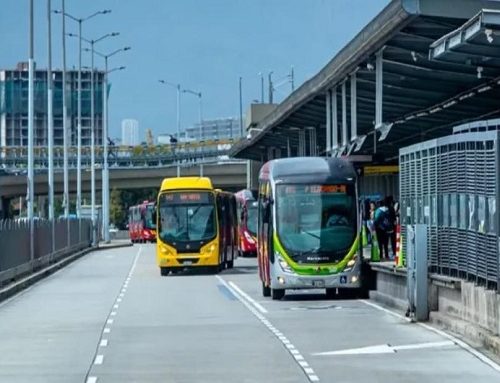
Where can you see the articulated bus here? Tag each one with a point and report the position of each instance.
(141, 224)
(197, 226)
(247, 222)
(308, 229)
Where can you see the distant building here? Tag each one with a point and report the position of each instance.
(130, 132)
(221, 128)
(14, 106)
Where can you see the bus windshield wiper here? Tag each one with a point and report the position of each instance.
(311, 234)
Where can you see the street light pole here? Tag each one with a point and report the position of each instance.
(79, 107)
(105, 168)
(241, 104)
(200, 111)
(178, 105)
(31, 114)
(65, 125)
(50, 125)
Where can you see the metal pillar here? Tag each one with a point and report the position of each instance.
(288, 147)
(241, 107)
(178, 171)
(354, 108)
(312, 141)
(344, 116)
(30, 195)
(302, 143)
(105, 167)
(50, 124)
(328, 146)
(417, 281)
(379, 94)
(65, 125)
(249, 174)
(335, 122)
(79, 127)
(201, 170)
(92, 149)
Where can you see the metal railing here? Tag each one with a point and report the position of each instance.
(16, 158)
(70, 236)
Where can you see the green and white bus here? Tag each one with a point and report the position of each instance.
(308, 229)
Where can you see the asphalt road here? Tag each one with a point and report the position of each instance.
(110, 317)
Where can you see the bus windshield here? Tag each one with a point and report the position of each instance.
(316, 223)
(186, 216)
(148, 217)
(252, 218)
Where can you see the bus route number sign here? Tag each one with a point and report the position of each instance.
(316, 189)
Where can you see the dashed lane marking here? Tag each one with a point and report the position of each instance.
(99, 359)
(253, 307)
(104, 343)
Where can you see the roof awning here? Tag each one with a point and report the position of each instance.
(424, 95)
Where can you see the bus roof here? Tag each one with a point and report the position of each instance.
(309, 169)
(184, 183)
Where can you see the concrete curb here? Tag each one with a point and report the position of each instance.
(18, 286)
(467, 330)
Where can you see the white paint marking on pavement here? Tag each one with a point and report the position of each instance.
(121, 295)
(253, 307)
(387, 349)
(91, 379)
(109, 321)
(104, 343)
(116, 306)
(99, 359)
(483, 358)
(257, 305)
(119, 300)
(107, 330)
(113, 313)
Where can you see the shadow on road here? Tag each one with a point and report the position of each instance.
(240, 270)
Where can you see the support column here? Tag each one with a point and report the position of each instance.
(335, 122)
(354, 108)
(328, 145)
(379, 89)
(302, 143)
(344, 117)
(288, 147)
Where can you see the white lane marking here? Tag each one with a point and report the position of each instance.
(116, 306)
(257, 305)
(104, 343)
(109, 321)
(483, 358)
(249, 303)
(121, 295)
(91, 379)
(119, 300)
(107, 330)
(113, 313)
(387, 349)
(99, 359)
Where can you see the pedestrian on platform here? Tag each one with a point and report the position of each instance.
(384, 227)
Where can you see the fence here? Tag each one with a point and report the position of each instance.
(70, 235)
(452, 185)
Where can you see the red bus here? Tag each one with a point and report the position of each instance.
(141, 225)
(247, 219)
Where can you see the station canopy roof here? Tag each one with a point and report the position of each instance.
(441, 68)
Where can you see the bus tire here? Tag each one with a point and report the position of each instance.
(277, 294)
(266, 290)
(331, 293)
(230, 264)
(164, 271)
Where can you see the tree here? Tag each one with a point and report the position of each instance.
(116, 210)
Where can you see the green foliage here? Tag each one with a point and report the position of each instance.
(116, 210)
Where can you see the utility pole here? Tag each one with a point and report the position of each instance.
(31, 104)
(50, 124)
(271, 89)
(241, 108)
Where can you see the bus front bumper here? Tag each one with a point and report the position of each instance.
(349, 280)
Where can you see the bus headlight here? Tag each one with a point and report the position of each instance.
(283, 264)
(351, 263)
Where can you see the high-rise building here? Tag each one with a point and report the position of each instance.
(14, 106)
(130, 132)
(221, 128)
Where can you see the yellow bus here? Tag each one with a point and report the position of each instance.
(196, 226)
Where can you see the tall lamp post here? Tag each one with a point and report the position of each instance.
(197, 94)
(80, 21)
(92, 131)
(105, 168)
(178, 105)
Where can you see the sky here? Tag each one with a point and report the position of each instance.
(204, 45)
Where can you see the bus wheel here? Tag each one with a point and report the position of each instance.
(164, 271)
(277, 294)
(331, 293)
(266, 290)
(230, 264)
